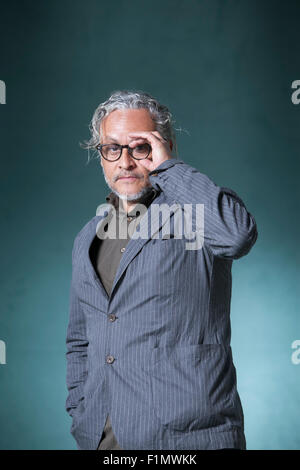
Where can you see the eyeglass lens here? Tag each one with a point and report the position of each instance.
(113, 151)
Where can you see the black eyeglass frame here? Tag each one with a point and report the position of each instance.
(130, 151)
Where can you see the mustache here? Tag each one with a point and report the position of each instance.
(128, 174)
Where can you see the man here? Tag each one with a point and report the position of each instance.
(149, 362)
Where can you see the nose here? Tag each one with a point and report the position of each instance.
(126, 161)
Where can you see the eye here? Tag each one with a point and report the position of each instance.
(113, 148)
(141, 148)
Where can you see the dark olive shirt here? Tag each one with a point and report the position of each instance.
(106, 254)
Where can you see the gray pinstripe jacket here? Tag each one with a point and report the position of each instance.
(156, 354)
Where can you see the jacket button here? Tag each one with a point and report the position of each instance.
(112, 317)
(122, 250)
(110, 359)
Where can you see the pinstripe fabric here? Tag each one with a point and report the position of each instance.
(172, 383)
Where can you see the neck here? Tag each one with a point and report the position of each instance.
(128, 205)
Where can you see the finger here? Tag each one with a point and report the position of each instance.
(136, 141)
(157, 134)
(152, 139)
(146, 135)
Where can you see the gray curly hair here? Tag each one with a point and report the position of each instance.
(127, 99)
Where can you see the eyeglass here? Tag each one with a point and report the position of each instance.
(113, 152)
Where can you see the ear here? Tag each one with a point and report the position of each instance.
(171, 144)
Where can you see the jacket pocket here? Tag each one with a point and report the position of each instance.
(192, 387)
(81, 414)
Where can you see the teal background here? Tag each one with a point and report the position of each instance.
(224, 68)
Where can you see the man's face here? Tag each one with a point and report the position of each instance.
(115, 129)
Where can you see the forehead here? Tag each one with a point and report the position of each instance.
(123, 121)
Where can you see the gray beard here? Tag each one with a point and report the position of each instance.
(131, 197)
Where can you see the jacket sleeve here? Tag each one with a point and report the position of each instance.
(77, 345)
(229, 229)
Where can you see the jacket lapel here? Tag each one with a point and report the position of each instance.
(146, 228)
